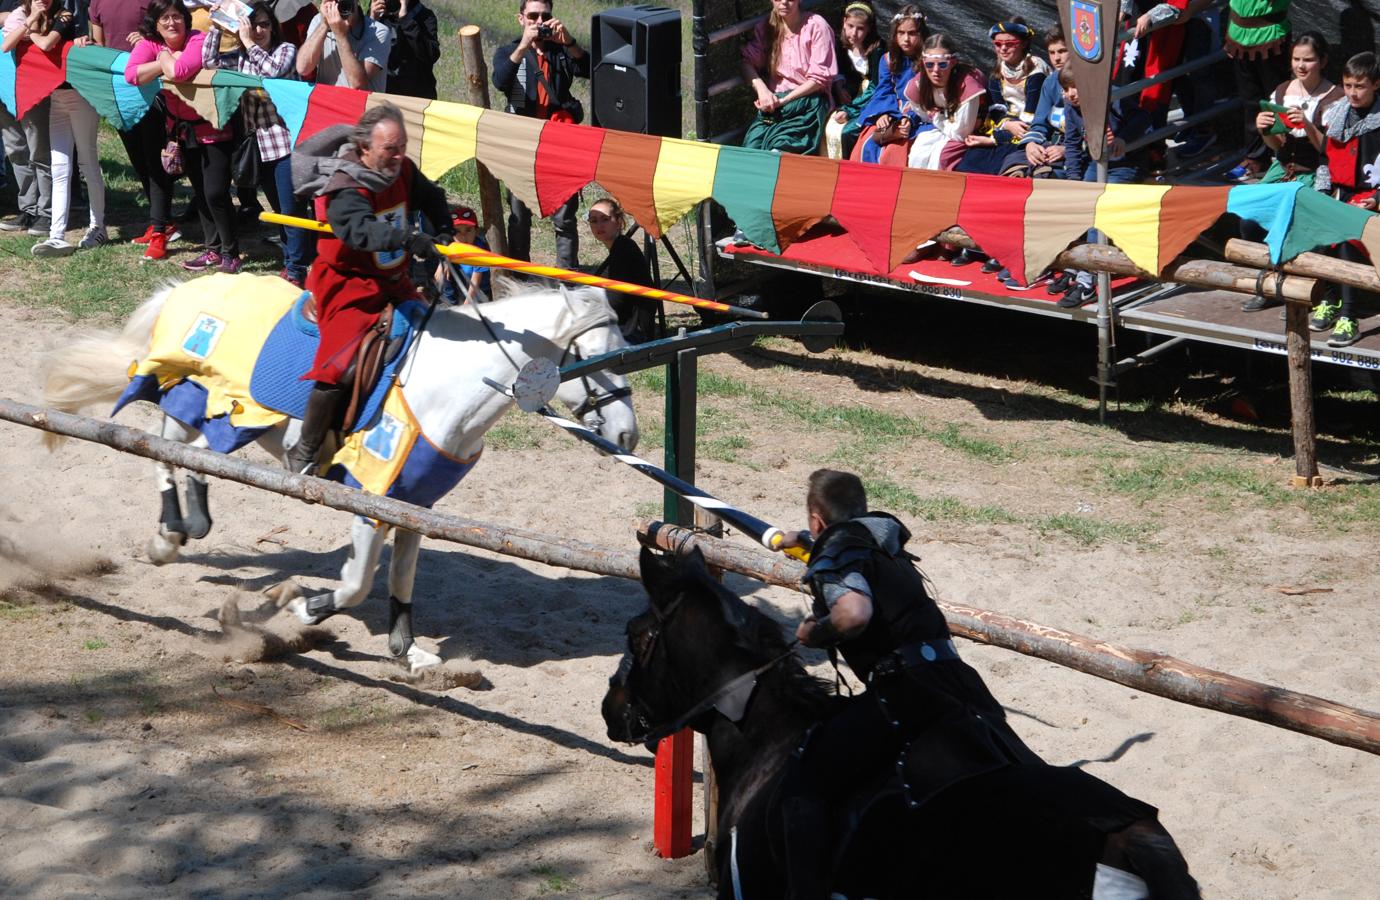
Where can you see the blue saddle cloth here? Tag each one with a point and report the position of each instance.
(287, 355)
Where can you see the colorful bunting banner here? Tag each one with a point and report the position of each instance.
(29, 75)
(773, 198)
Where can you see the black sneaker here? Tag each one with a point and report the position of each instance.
(992, 265)
(965, 257)
(1059, 284)
(1255, 303)
(40, 226)
(1077, 296)
(17, 222)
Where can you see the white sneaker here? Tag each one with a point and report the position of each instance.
(53, 247)
(94, 237)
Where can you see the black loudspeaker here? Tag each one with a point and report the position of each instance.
(635, 77)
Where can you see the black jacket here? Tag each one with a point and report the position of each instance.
(416, 49)
(518, 82)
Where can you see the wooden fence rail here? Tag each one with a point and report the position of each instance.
(1144, 670)
(1154, 673)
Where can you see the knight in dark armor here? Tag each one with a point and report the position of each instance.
(922, 701)
(364, 185)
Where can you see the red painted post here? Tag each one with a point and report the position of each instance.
(675, 755)
(675, 764)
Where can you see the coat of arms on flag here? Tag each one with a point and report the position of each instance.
(1086, 16)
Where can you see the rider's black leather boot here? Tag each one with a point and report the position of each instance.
(323, 408)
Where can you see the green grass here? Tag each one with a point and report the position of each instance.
(14, 612)
(517, 431)
(338, 718)
(94, 644)
(553, 882)
(724, 448)
(1090, 531)
(882, 493)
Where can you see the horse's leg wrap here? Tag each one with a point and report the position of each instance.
(320, 608)
(171, 518)
(399, 627)
(198, 518)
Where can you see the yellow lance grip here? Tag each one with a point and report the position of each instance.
(478, 256)
(774, 539)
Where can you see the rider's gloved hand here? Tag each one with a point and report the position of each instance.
(423, 246)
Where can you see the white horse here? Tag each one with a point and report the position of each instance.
(452, 386)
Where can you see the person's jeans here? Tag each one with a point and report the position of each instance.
(26, 147)
(74, 124)
(299, 245)
(566, 221)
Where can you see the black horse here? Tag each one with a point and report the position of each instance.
(701, 657)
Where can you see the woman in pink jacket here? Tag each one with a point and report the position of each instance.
(171, 50)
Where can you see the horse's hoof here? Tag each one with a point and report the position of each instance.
(298, 607)
(420, 660)
(312, 610)
(164, 546)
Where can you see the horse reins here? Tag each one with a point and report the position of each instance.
(595, 399)
(730, 688)
(710, 702)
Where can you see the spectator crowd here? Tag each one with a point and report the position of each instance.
(892, 93)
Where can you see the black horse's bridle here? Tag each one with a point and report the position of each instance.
(729, 699)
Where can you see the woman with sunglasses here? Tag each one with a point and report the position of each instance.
(790, 65)
(1013, 93)
(262, 51)
(887, 130)
(625, 262)
(172, 50)
(951, 98)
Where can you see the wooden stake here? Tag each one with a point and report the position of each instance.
(1301, 391)
(477, 89)
(1204, 273)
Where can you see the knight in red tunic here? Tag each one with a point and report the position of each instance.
(371, 194)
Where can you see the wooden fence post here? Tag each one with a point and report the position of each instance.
(477, 86)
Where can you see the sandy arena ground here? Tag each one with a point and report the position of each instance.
(133, 762)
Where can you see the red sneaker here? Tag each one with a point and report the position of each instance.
(156, 248)
(144, 238)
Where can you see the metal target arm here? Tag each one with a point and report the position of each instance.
(766, 534)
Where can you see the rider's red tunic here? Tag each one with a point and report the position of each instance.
(352, 286)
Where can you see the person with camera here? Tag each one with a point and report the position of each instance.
(535, 73)
(346, 48)
(416, 48)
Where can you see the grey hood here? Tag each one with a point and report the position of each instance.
(319, 159)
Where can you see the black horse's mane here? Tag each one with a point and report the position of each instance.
(757, 633)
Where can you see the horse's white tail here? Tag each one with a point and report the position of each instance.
(93, 367)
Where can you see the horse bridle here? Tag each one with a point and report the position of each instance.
(595, 398)
(729, 699)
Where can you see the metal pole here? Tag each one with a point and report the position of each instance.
(699, 43)
(1105, 339)
(675, 755)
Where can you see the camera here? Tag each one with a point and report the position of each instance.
(544, 31)
(391, 8)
